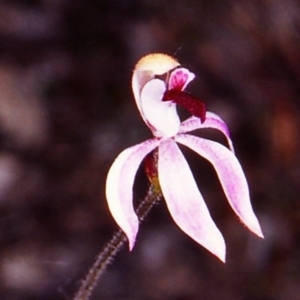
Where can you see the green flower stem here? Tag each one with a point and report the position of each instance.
(111, 249)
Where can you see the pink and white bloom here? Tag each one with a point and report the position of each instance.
(156, 97)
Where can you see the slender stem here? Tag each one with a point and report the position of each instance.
(111, 249)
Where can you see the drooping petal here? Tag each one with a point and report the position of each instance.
(230, 174)
(212, 121)
(161, 117)
(180, 78)
(119, 185)
(184, 200)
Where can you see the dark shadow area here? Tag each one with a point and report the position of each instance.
(67, 110)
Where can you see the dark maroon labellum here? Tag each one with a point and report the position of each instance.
(191, 103)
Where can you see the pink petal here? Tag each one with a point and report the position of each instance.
(161, 117)
(184, 200)
(230, 174)
(119, 185)
(180, 78)
(212, 121)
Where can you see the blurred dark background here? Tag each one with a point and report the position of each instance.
(66, 111)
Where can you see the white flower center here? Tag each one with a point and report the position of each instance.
(162, 117)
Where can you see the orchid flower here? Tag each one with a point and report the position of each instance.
(158, 85)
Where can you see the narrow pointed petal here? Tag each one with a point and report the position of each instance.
(230, 174)
(184, 200)
(119, 185)
(212, 121)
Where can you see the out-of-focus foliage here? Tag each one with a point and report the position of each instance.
(66, 111)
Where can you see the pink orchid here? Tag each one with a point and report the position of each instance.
(156, 99)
